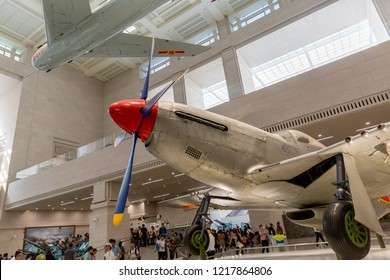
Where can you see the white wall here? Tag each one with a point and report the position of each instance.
(10, 89)
(63, 104)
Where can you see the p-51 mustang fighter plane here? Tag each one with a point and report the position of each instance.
(72, 31)
(336, 187)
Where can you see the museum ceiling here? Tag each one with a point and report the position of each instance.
(22, 24)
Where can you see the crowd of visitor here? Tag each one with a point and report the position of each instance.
(165, 246)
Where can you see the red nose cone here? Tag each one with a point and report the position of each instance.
(127, 115)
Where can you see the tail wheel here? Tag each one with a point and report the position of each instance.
(348, 238)
(192, 239)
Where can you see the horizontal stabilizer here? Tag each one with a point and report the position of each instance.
(130, 45)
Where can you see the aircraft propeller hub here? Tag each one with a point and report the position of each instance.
(127, 114)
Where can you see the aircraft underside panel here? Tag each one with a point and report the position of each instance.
(61, 16)
(130, 45)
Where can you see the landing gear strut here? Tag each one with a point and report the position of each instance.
(196, 239)
(347, 237)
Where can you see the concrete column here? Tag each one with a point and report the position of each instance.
(179, 90)
(383, 8)
(232, 73)
(230, 63)
(101, 228)
(223, 27)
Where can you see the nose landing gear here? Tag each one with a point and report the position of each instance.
(196, 239)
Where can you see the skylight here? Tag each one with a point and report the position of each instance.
(326, 50)
(215, 95)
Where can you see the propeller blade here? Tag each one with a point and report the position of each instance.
(144, 94)
(149, 105)
(125, 187)
(120, 138)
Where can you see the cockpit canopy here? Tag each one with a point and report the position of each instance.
(297, 137)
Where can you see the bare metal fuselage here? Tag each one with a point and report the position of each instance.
(227, 154)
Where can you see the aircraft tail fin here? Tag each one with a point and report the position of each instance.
(60, 16)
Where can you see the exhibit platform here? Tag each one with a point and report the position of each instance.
(311, 252)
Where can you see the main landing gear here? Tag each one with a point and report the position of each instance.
(347, 237)
(196, 239)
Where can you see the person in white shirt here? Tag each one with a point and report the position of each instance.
(133, 253)
(161, 248)
(109, 255)
(18, 255)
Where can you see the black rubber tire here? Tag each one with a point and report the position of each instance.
(191, 240)
(348, 238)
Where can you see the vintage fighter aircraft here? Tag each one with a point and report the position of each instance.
(72, 31)
(336, 187)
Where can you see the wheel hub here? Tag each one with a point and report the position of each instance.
(357, 233)
(195, 239)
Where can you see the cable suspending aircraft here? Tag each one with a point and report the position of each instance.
(342, 188)
(73, 31)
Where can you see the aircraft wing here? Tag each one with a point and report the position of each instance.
(366, 163)
(371, 148)
(130, 45)
(61, 16)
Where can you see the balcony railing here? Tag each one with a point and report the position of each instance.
(75, 154)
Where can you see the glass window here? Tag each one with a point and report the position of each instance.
(250, 14)
(158, 63)
(204, 90)
(288, 51)
(206, 37)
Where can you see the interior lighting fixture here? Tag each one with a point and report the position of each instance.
(138, 201)
(159, 196)
(85, 198)
(129, 29)
(325, 138)
(197, 188)
(151, 182)
(66, 203)
(366, 128)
